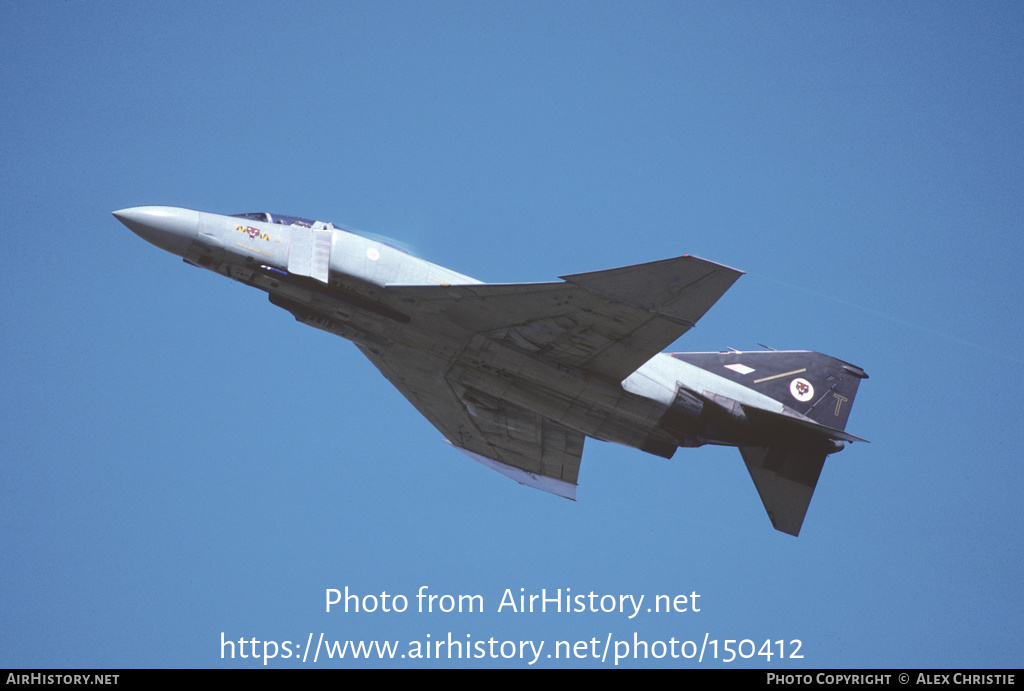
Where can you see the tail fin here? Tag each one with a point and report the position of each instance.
(817, 386)
(816, 393)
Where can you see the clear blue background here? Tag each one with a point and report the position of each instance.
(181, 459)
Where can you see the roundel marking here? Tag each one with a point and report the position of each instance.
(372, 254)
(801, 389)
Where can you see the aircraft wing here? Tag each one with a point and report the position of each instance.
(605, 323)
(518, 443)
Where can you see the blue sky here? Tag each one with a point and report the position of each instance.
(181, 459)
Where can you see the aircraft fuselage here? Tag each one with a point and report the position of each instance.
(388, 303)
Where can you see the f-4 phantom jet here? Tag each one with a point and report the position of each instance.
(517, 376)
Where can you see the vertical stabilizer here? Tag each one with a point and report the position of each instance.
(815, 385)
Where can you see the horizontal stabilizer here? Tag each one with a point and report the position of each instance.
(808, 424)
(785, 478)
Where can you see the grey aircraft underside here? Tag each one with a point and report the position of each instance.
(516, 376)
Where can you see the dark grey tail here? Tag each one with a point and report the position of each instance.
(816, 394)
(817, 386)
(785, 477)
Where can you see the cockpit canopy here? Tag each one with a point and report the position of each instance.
(267, 217)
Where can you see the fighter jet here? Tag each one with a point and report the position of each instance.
(517, 376)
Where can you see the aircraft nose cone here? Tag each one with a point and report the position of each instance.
(167, 227)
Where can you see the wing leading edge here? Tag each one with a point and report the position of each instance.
(606, 323)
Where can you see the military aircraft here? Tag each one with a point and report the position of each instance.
(516, 376)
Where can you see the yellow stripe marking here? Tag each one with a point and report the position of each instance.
(253, 249)
(779, 376)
